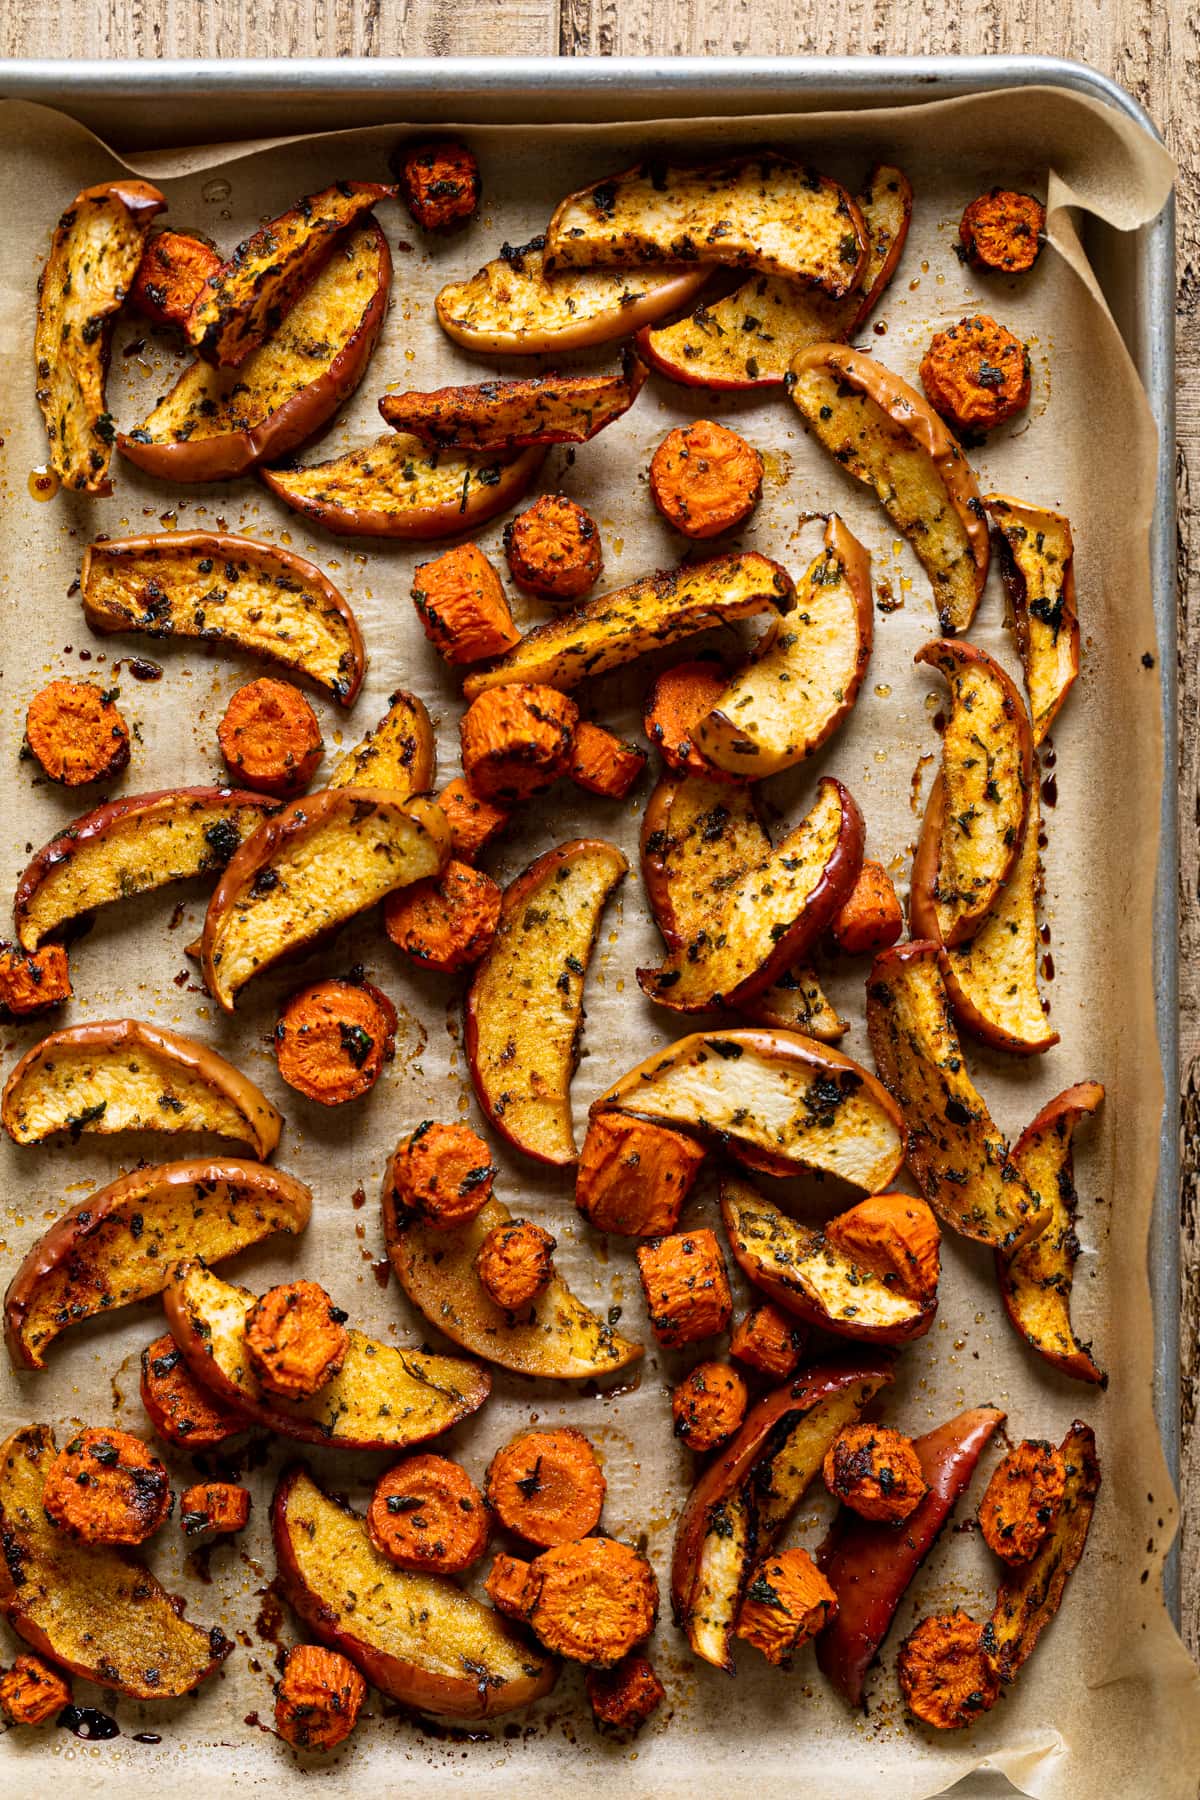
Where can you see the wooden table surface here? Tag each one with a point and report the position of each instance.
(1152, 50)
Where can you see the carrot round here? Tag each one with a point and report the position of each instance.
(547, 1486)
(32, 981)
(182, 1412)
(592, 1601)
(319, 1698)
(622, 1699)
(787, 1602)
(976, 374)
(32, 1693)
(214, 1508)
(553, 549)
(602, 763)
(705, 479)
(679, 698)
(107, 1487)
(515, 1262)
(1023, 1500)
(332, 1040)
(175, 266)
(767, 1340)
(270, 738)
(439, 182)
(946, 1675)
(462, 606)
(516, 740)
(876, 1472)
(473, 821)
(1003, 230)
(442, 1174)
(75, 733)
(709, 1405)
(448, 922)
(871, 918)
(427, 1513)
(296, 1339)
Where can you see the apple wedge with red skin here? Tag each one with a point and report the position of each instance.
(870, 1565)
(514, 415)
(420, 1639)
(1035, 1281)
(746, 1495)
(1037, 563)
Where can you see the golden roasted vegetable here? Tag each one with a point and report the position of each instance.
(1037, 561)
(307, 870)
(774, 1100)
(772, 917)
(398, 487)
(381, 1398)
(399, 755)
(128, 847)
(123, 1075)
(512, 415)
(805, 678)
(660, 609)
(1035, 1281)
(884, 434)
(88, 1607)
(986, 784)
(220, 588)
(759, 212)
(247, 299)
(93, 259)
(512, 307)
(749, 338)
(216, 424)
(418, 1638)
(119, 1245)
(558, 1338)
(524, 1011)
(959, 1158)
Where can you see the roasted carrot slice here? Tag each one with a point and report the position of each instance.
(462, 606)
(1023, 1500)
(32, 981)
(106, 1487)
(592, 1601)
(767, 1340)
(705, 479)
(976, 375)
(181, 1411)
(214, 1509)
(447, 923)
(174, 268)
(319, 1698)
(946, 1674)
(439, 182)
(602, 763)
(622, 1699)
(1003, 230)
(554, 549)
(332, 1040)
(679, 698)
(547, 1486)
(516, 740)
(686, 1287)
(270, 738)
(427, 1513)
(787, 1602)
(515, 1263)
(874, 1470)
(709, 1405)
(75, 733)
(296, 1339)
(871, 919)
(634, 1177)
(442, 1174)
(473, 821)
(32, 1693)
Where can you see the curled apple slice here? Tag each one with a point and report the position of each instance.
(993, 980)
(775, 1100)
(124, 1075)
(960, 1159)
(225, 589)
(1035, 1281)
(555, 1337)
(512, 415)
(808, 1275)
(399, 756)
(307, 870)
(884, 434)
(804, 681)
(1037, 561)
(524, 1009)
(512, 307)
(660, 609)
(746, 1496)
(772, 917)
(759, 212)
(381, 1398)
(986, 783)
(750, 338)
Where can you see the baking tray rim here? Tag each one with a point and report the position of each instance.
(790, 82)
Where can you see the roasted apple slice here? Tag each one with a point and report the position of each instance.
(224, 589)
(124, 1075)
(871, 1565)
(699, 840)
(759, 212)
(94, 256)
(1035, 1282)
(772, 917)
(87, 1607)
(419, 1639)
(1037, 561)
(398, 487)
(1032, 1592)
(961, 1161)
(992, 981)
(556, 1337)
(750, 338)
(399, 756)
(119, 1245)
(776, 1101)
(512, 307)
(804, 680)
(744, 1498)
(986, 782)
(524, 1010)
(381, 1398)
(248, 297)
(808, 1275)
(512, 415)
(884, 434)
(128, 847)
(660, 609)
(307, 870)
(217, 423)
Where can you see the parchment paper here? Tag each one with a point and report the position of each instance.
(1110, 1702)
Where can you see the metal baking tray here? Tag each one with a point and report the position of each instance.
(135, 105)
